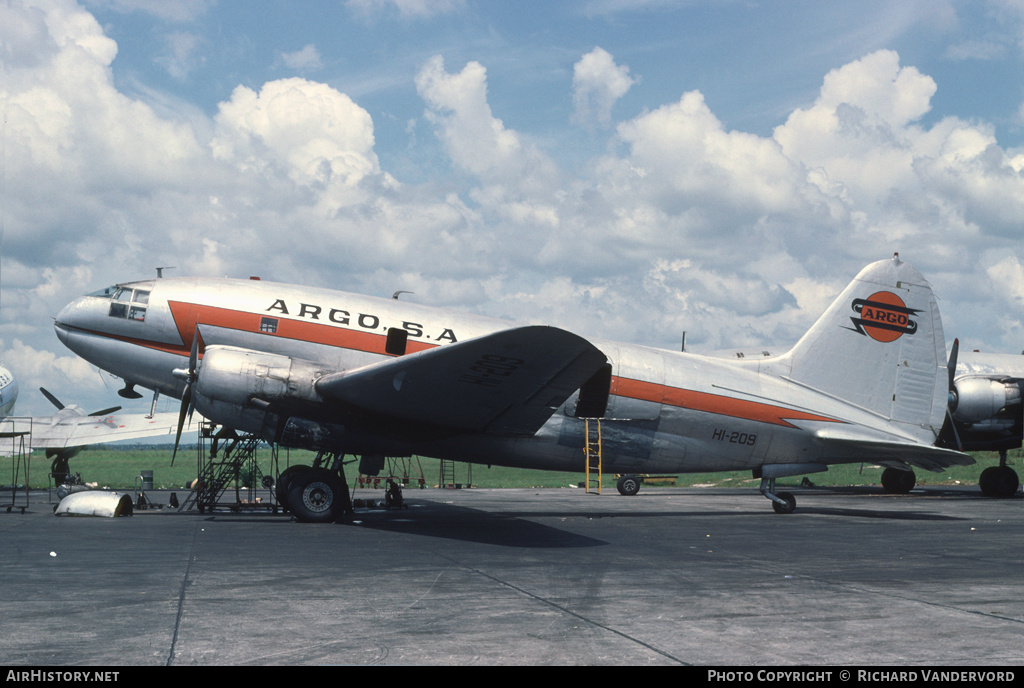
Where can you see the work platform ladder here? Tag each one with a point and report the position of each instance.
(592, 451)
(16, 442)
(447, 478)
(231, 460)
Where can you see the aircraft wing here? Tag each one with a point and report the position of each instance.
(69, 428)
(885, 449)
(508, 382)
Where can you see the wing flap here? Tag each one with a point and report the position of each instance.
(508, 382)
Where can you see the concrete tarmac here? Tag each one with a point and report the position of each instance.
(527, 576)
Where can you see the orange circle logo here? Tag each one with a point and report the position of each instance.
(884, 317)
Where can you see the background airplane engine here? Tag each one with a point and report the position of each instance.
(983, 401)
(240, 387)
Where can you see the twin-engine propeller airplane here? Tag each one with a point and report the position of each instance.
(63, 434)
(337, 372)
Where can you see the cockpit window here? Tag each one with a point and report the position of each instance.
(126, 302)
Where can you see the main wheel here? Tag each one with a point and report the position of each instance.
(787, 508)
(316, 496)
(999, 481)
(895, 481)
(284, 483)
(628, 485)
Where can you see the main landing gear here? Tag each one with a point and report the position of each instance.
(315, 494)
(782, 502)
(995, 481)
(896, 481)
(999, 481)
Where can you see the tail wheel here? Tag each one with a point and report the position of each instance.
(628, 485)
(789, 506)
(316, 496)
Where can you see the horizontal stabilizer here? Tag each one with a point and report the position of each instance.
(508, 382)
(881, 447)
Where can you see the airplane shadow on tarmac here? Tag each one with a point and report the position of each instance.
(474, 525)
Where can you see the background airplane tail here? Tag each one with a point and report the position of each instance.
(880, 346)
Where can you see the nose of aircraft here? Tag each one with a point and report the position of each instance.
(70, 317)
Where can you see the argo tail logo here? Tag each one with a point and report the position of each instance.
(883, 316)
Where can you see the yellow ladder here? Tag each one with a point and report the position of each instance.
(592, 450)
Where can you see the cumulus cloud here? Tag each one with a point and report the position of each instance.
(314, 133)
(597, 83)
(475, 139)
(681, 224)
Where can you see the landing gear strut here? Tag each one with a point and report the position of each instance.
(782, 502)
(999, 481)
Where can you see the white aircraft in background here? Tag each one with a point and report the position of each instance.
(63, 434)
(342, 373)
(8, 392)
(985, 406)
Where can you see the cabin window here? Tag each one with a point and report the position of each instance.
(268, 325)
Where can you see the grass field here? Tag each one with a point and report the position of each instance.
(121, 467)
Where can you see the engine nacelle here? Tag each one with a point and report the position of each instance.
(236, 387)
(980, 399)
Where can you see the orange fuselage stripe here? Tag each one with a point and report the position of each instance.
(187, 315)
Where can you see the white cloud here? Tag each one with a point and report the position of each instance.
(182, 54)
(680, 224)
(316, 134)
(305, 60)
(597, 84)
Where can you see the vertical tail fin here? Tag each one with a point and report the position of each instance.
(880, 346)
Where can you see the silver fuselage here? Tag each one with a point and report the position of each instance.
(667, 411)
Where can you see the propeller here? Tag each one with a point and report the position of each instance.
(189, 375)
(60, 407)
(952, 400)
(53, 400)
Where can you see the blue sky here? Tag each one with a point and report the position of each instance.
(624, 169)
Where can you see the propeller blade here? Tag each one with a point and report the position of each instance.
(193, 356)
(186, 401)
(952, 401)
(187, 407)
(951, 366)
(53, 399)
(106, 412)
